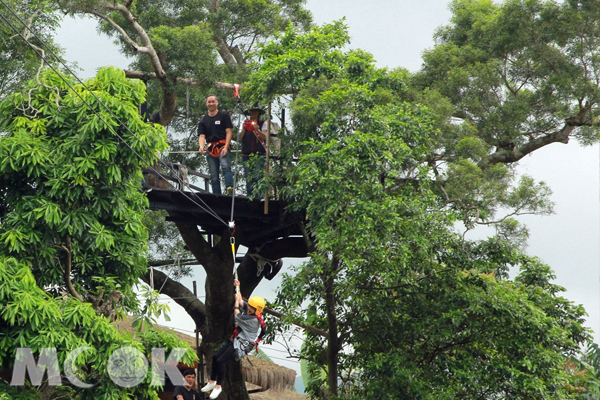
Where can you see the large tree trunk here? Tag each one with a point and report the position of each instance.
(214, 319)
(218, 262)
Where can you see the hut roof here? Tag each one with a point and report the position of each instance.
(276, 381)
(286, 394)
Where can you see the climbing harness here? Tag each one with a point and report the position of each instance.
(247, 346)
(214, 148)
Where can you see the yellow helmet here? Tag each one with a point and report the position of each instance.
(258, 303)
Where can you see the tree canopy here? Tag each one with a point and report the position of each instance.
(33, 21)
(410, 306)
(190, 45)
(72, 226)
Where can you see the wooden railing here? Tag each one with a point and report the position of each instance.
(175, 173)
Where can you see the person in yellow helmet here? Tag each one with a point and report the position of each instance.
(249, 330)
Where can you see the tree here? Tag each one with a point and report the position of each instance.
(181, 48)
(410, 307)
(19, 63)
(72, 239)
(176, 43)
(521, 75)
(33, 319)
(473, 173)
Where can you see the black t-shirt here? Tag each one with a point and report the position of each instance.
(187, 394)
(214, 127)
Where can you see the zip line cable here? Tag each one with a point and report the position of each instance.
(207, 209)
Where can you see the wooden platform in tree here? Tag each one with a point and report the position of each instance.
(213, 212)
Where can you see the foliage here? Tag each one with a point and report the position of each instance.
(292, 59)
(31, 318)
(72, 216)
(202, 41)
(70, 180)
(586, 370)
(516, 72)
(165, 245)
(18, 61)
(411, 308)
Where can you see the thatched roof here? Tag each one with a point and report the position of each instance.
(278, 395)
(266, 375)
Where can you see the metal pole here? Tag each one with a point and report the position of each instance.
(267, 159)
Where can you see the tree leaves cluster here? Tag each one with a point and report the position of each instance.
(35, 22)
(72, 215)
(71, 171)
(410, 306)
(31, 318)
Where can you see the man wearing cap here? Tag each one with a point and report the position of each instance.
(215, 131)
(186, 392)
(253, 136)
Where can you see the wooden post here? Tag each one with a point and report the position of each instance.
(200, 369)
(267, 159)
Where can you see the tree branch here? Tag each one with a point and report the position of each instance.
(180, 294)
(124, 34)
(67, 272)
(510, 156)
(188, 81)
(145, 40)
(309, 328)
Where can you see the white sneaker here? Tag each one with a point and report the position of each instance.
(209, 386)
(215, 393)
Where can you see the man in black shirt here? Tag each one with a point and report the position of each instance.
(186, 392)
(215, 131)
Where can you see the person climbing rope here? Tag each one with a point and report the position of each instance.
(249, 330)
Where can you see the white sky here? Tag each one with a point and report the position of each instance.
(397, 33)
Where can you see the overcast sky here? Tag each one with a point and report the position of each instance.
(397, 33)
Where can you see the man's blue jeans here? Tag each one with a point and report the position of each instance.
(224, 163)
(254, 173)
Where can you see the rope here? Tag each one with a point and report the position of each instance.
(237, 155)
(207, 209)
(231, 220)
(235, 272)
(169, 274)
